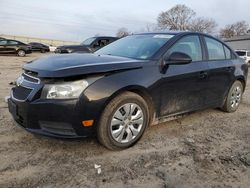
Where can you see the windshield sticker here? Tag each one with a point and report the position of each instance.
(163, 36)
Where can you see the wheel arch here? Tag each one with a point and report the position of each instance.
(242, 80)
(141, 91)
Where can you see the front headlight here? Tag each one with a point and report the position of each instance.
(66, 90)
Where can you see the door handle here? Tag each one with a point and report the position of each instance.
(203, 74)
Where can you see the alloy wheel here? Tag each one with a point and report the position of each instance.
(127, 123)
(236, 97)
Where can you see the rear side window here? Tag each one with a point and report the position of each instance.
(13, 42)
(215, 49)
(189, 45)
(227, 53)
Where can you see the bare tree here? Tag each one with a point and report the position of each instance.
(236, 29)
(176, 18)
(203, 25)
(122, 32)
(150, 27)
(181, 17)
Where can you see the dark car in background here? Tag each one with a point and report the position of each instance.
(118, 91)
(39, 47)
(8, 46)
(90, 45)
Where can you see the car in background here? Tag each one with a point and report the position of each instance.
(39, 47)
(244, 54)
(52, 48)
(8, 46)
(90, 45)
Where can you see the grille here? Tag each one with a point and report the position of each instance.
(21, 93)
(30, 77)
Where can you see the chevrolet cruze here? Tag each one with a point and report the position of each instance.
(121, 89)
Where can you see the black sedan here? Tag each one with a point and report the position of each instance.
(39, 47)
(8, 46)
(117, 92)
(90, 45)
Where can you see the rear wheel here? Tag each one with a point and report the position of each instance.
(21, 53)
(234, 97)
(123, 121)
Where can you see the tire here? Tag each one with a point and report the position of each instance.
(137, 120)
(21, 53)
(234, 97)
(43, 51)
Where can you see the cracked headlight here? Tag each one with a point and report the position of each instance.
(66, 90)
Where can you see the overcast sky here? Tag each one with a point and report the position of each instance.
(78, 19)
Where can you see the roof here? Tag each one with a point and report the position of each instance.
(162, 32)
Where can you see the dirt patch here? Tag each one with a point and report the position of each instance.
(205, 149)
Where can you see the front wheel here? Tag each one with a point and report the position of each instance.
(123, 121)
(234, 97)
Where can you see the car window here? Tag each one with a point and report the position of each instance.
(3, 42)
(136, 46)
(12, 42)
(227, 53)
(248, 54)
(104, 42)
(215, 49)
(189, 45)
(241, 53)
(88, 41)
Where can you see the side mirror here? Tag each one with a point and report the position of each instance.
(177, 58)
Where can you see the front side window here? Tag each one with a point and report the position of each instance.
(189, 45)
(136, 46)
(215, 49)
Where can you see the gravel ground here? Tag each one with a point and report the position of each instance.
(204, 149)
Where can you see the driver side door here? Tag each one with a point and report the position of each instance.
(184, 86)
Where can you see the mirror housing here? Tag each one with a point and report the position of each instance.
(177, 58)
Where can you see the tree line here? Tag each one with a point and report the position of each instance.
(183, 18)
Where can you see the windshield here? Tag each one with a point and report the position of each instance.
(88, 41)
(241, 53)
(136, 46)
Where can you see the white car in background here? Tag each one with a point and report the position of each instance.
(52, 48)
(244, 54)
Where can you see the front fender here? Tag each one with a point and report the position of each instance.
(98, 95)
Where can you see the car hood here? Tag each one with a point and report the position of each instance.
(79, 64)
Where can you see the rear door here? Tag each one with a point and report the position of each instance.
(12, 46)
(184, 87)
(35, 46)
(221, 70)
